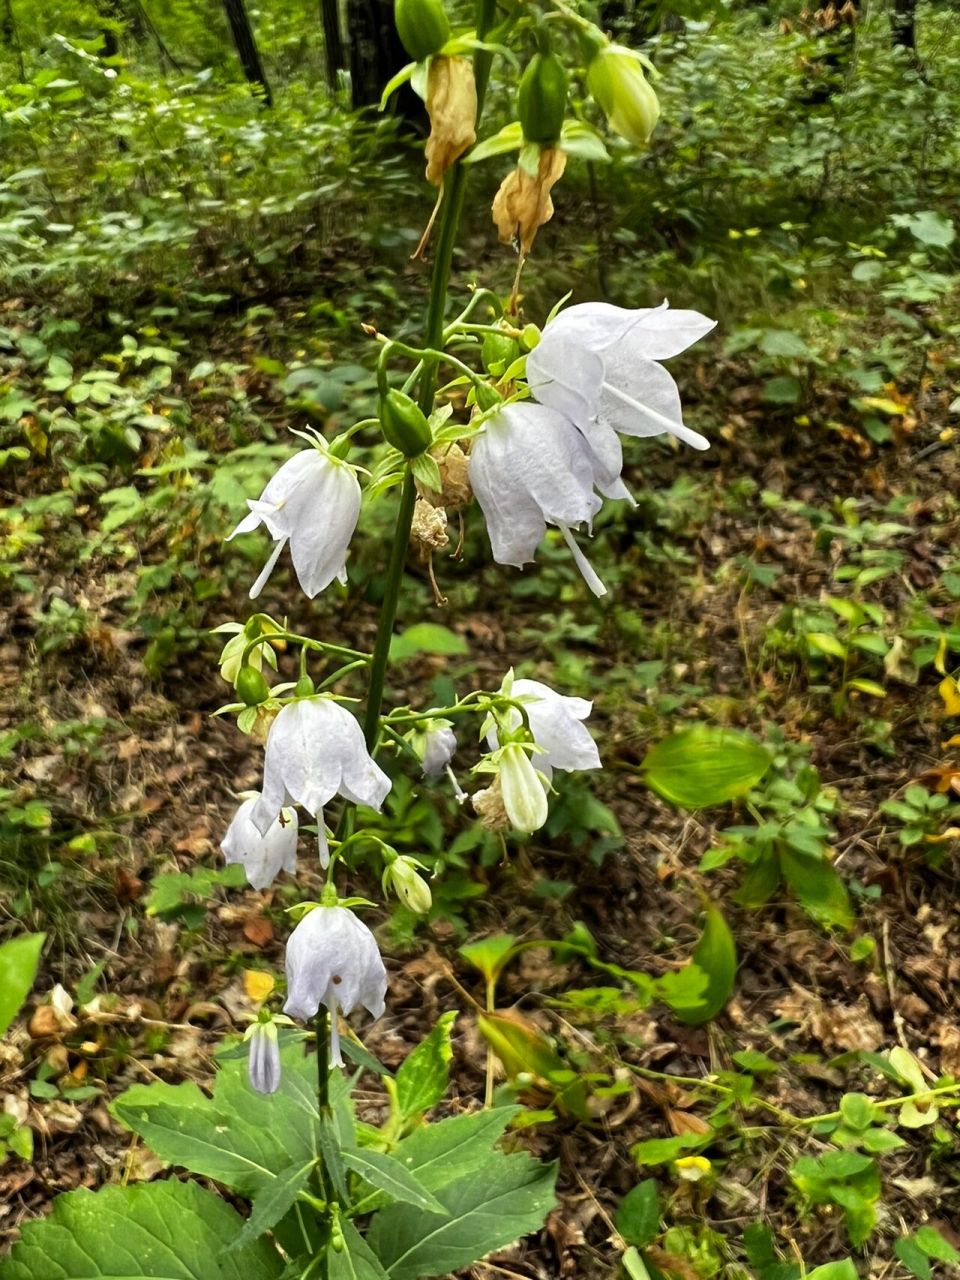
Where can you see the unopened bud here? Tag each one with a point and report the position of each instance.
(423, 27)
(616, 80)
(251, 686)
(498, 353)
(542, 99)
(404, 424)
(410, 888)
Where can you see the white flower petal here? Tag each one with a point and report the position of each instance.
(640, 398)
(524, 796)
(565, 376)
(265, 855)
(555, 723)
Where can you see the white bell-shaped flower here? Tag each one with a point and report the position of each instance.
(555, 722)
(435, 743)
(597, 364)
(531, 467)
(333, 959)
(315, 750)
(264, 855)
(312, 502)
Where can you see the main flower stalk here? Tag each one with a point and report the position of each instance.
(456, 186)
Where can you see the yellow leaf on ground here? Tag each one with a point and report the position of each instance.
(951, 696)
(257, 985)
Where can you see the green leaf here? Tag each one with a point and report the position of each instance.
(879, 1141)
(424, 1075)
(656, 1151)
(19, 959)
(427, 637)
(844, 1270)
(167, 1230)
(638, 1214)
(716, 955)
(273, 1202)
(356, 1261)
(239, 1137)
(489, 955)
(510, 138)
(818, 887)
(934, 1246)
(634, 1265)
(705, 765)
(913, 1258)
(505, 1198)
(389, 1175)
(858, 1111)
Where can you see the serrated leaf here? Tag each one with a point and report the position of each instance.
(19, 959)
(356, 1261)
(390, 1175)
(507, 1197)
(155, 1231)
(705, 765)
(424, 1075)
(239, 1137)
(273, 1203)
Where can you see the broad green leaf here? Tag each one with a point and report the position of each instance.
(638, 1214)
(389, 1175)
(505, 1198)
(356, 1260)
(510, 138)
(242, 1138)
(820, 890)
(424, 1075)
(716, 955)
(156, 1231)
(705, 765)
(427, 637)
(19, 959)
(453, 1148)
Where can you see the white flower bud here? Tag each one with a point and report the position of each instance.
(620, 89)
(263, 1063)
(524, 794)
(413, 891)
(435, 743)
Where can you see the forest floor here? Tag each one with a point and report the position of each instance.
(711, 572)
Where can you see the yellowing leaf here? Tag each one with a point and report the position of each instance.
(951, 696)
(940, 661)
(257, 985)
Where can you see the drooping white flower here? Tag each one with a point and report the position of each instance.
(556, 725)
(531, 467)
(333, 959)
(524, 792)
(263, 1061)
(435, 743)
(315, 750)
(597, 364)
(263, 854)
(312, 502)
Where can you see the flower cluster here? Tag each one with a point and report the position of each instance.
(595, 376)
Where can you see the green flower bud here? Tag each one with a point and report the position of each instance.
(498, 352)
(423, 26)
(404, 424)
(487, 397)
(542, 99)
(251, 687)
(413, 892)
(620, 89)
(304, 688)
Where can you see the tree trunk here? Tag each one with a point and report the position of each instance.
(10, 33)
(903, 24)
(376, 53)
(246, 46)
(332, 41)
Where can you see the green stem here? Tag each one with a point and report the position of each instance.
(453, 199)
(322, 1025)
